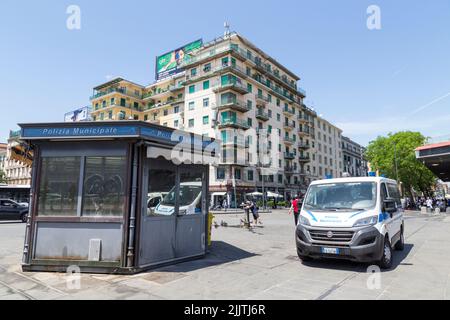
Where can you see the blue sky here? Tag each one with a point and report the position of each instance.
(367, 82)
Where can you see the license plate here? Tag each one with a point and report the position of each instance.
(330, 250)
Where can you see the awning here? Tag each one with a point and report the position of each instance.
(256, 194)
(216, 194)
(273, 195)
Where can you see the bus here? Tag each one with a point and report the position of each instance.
(18, 193)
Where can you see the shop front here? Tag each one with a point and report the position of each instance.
(115, 197)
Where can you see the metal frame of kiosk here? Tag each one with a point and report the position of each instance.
(111, 197)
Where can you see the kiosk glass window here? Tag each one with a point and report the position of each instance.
(190, 196)
(58, 194)
(161, 198)
(104, 186)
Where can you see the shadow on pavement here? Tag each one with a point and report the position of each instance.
(345, 265)
(219, 253)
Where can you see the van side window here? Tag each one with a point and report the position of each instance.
(394, 193)
(383, 192)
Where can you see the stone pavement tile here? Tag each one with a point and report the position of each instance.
(142, 296)
(86, 282)
(89, 294)
(242, 268)
(4, 291)
(344, 293)
(161, 277)
(138, 283)
(315, 287)
(42, 293)
(14, 296)
(278, 293)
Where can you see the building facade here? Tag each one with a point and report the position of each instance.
(233, 91)
(355, 163)
(16, 172)
(327, 151)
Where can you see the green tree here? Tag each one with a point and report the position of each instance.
(412, 173)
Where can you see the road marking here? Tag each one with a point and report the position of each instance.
(27, 296)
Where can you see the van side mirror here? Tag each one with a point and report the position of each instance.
(389, 205)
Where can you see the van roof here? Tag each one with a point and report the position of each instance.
(353, 179)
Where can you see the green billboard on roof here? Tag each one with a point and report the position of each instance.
(171, 63)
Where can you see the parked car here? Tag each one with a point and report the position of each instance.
(360, 219)
(11, 210)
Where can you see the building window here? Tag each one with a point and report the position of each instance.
(206, 120)
(136, 105)
(145, 117)
(192, 89)
(250, 175)
(113, 101)
(193, 72)
(207, 67)
(191, 105)
(249, 87)
(191, 123)
(237, 174)
(122, 102)
(206, 102)
(220, 173)
(176, 109)
(175, 123)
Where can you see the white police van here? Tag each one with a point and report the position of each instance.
(359, 219)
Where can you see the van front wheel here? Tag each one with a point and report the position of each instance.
(386, 259)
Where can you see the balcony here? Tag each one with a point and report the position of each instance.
(304, 132)
(288, 111)
(288, 126)
(289, 155)
(163, 104)
(303, 145)
(290, 170)
(303, 158)
(303, 119)
(234, 123)
(261, 115)
(262, 131)
(115, 90)
(261, 99)
(212, 72)
(231, 85)
(304, 173)
(234, 104)
(288, 140)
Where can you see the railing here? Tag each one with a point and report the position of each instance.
(115, 90)
(289, 110)
(165, 103)
(287, 139)
(289, 155)
(234, 122)
(262, 114)
(231, 101)
(304, 158)
(303, 145)
(231, 83)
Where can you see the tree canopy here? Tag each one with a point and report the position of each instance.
(412, 173)
(2, 176)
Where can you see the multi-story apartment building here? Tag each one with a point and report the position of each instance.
(327, 151)
(354, 160)
(17, 172)
(233, 91)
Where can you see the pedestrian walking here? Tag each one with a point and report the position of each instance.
(255, 212)
(295, 208)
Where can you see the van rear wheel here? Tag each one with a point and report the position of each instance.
(400, 245)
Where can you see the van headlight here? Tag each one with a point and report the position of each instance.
(369, 221)
(303, 220)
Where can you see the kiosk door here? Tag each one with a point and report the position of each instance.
(158, 215)
(190, 224)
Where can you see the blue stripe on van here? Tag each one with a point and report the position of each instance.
(312, 216)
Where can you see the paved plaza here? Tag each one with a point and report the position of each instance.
(259, 264)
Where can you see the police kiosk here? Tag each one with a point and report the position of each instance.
(115, 197)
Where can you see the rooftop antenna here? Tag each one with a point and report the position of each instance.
(226, 25)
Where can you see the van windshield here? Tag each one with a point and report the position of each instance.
(342, 196)
(188, 193)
